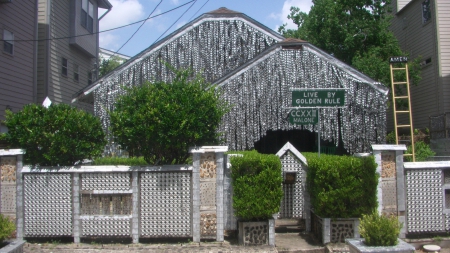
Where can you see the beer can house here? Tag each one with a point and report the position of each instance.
(262, 75)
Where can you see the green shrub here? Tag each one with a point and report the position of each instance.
(129, 161)
(160, 121)
(6, 227)
(379, 230)
(341, 186)
(257, 185)
(422, 152)
(58, 135)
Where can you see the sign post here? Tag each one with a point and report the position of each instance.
(306, 105)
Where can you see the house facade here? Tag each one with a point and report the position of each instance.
(18, 32)
(68, 48)
(255, 70)
(422, 28)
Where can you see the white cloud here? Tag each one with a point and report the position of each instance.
(109, 41)
(123, 12)
(304, 5)
(175, 2)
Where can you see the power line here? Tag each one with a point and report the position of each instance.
(81, 35)
(176, 21)
(198, 10)
(137, 29)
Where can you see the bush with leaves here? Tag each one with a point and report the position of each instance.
(342, 186)
(6, 227)
(422, 151)
(58, 135)
(160, 120)
(379, 230)
(257, 185)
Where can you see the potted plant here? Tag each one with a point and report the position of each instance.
(380, 233)
(257, 192)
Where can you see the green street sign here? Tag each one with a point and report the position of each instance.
(318, 98)
(304, 116)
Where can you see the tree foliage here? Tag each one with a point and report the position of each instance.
(160, 121)
(108, 65)
(57, 135)
(354, 31)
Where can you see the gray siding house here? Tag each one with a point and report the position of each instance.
(68, 48)
(423, 29)
(18, 32)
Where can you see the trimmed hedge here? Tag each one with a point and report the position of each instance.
(342, 186)
(58, 135)
(257, 185)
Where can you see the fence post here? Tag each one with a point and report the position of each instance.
(19, 198)
(196, 198)
(76, 208)
(219, 196)
(136, 207)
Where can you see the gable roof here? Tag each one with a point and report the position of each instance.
(297, 44)
(216, 15)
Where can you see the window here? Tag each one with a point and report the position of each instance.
(87, 15)
(76, 76)
(64, 64)
(8, 41)
(425, 62)
(426, 11)
(89, 78)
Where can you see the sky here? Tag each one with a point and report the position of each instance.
(271, 13)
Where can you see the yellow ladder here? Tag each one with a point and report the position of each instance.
(400, 65)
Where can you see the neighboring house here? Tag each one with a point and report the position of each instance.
(18, 33)
(68, 48)
(423, 29)
(256, 69)
(105, 54)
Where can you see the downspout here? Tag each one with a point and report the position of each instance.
(47, 53)
(35, 44)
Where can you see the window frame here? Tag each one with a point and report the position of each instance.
(8, 43)
(76, 72)
(87, 15)
(89, 77)
(426, 11)
(64, 66)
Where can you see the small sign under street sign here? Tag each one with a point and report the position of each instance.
(318, 98)
(303, 116)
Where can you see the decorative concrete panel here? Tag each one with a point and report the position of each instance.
(8, 185)
(208, 165)
(47, 205)
(424, 201)
(341, 230)
(106, 226)
(253, 233)
(8, 169)
(165, 200)
(106, 181)
(292, 204)
(388, 164)
(8, 204)
(208, 225)
(109, 204)
(208, 194)
(389, 189)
